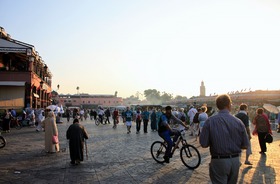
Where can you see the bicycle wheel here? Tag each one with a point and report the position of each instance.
(190, 156)
(158, 150)
(2, 142)
(97, 122)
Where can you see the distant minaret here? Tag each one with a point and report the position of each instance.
(202, 89)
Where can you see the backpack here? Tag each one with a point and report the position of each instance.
(161, 128)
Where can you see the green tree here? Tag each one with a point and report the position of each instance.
(152, 95)
(180, 98)
(165, 97)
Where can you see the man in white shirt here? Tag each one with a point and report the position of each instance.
(191, 114)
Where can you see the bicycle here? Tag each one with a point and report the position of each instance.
(2, 141)
(189, 154)
(97, 120)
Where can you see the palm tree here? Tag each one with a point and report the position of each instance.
(77, 88)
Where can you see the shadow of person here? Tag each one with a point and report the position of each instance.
(243, 174)
(263, 173)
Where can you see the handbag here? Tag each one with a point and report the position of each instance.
(268, 138)
(54, 139)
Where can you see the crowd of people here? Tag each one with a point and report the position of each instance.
(26, 117)
(225, 133)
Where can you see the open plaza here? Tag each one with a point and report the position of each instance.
(117, 157)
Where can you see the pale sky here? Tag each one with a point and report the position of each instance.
(128, 46)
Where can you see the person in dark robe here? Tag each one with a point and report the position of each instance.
(154, 121)
(76, 133)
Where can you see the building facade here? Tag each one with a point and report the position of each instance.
(254, 98)
(25, 79)
(88, 101)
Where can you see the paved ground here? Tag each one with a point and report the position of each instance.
(117, 157)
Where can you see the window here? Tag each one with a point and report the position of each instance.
(89, 102)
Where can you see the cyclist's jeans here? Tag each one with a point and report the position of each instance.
(166, 136)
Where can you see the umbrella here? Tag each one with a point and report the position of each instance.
(271, 108)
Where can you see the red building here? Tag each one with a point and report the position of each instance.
(25, 79)
(88, 101)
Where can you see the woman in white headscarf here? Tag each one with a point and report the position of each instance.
(49, 124)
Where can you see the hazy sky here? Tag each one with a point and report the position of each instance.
(129, 46)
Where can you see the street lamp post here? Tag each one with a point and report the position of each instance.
(77, 88)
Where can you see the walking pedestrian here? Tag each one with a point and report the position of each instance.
(262, 127)
(32, 119)
(86, 114)
(76, 134)
(82, 113)
(202, 117)
(191, 114)
(40, 118)
(195, 125)
(182, 117)
(51, 132)
(145, 117)
(128, 115)
(91, 114)
(6, 121)
(226, 136)
(68, 114)
(115, 118)
(107, 115)
(138, 120)
(158, 113)
(154, 120)
(75, 113)
(243, 116)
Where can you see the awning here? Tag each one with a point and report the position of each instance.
(12, 83)
(15, 46)
(35, 95)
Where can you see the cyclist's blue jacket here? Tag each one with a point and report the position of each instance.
(164, 120)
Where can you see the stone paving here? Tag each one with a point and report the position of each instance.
(117, 157)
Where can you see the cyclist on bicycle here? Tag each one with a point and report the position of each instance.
(165, 131)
